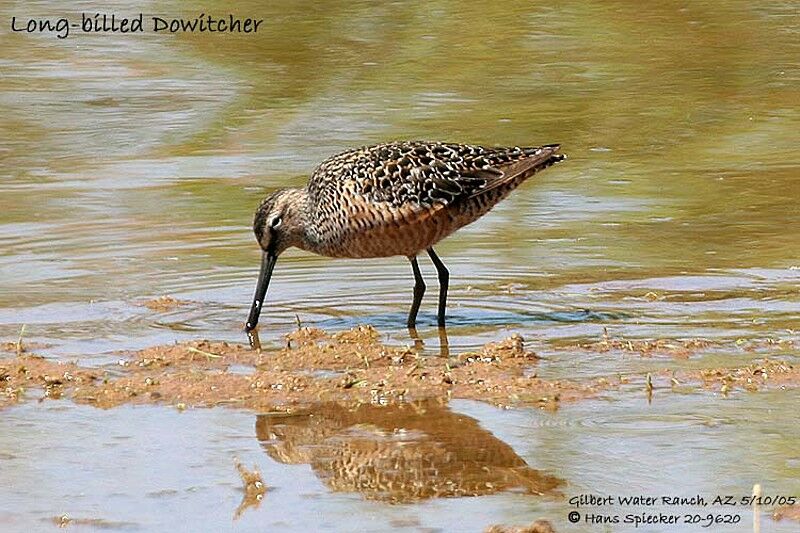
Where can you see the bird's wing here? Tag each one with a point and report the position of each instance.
(423, 175)
(380, 187)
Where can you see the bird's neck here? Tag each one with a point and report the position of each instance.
(300, 221)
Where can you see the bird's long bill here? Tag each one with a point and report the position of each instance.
(268, 261)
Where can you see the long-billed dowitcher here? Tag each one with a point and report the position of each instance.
(391, 199)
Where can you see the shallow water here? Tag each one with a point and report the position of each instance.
(141, 477)
(130, 167)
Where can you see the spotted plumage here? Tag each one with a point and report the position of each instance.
(415, 172)
(393, 199)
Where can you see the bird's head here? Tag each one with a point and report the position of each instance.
(278, 225)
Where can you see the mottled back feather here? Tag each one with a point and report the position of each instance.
(402, 197)
(421, 174)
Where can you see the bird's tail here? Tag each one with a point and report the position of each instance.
(515, 173)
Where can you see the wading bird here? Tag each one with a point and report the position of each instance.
(391, 199)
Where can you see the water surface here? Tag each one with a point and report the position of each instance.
(130, 167)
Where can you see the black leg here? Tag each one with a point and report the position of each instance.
(419, 291)
(444, 281)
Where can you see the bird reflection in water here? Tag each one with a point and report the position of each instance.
(400, 453)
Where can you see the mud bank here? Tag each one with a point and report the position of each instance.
(540, 526)
(352, 366)
(788, 512)
(314, 367)
(680, 348)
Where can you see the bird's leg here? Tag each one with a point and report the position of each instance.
(444, 281)
(419, 291)
(444, 344)
(255, 342)
(419, 345)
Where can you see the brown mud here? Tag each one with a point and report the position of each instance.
(19, 347)
(787, 512)
(761, 373)
(540, 526)
(355, 367)
(64, 521)
(680, 348)
(351, 366)
(163, 303)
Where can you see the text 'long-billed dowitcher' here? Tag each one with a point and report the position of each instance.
(391, 199)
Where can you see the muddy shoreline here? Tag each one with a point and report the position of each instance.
(334, 400)
(355, 367)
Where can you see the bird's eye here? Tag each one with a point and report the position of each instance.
(275, 222)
